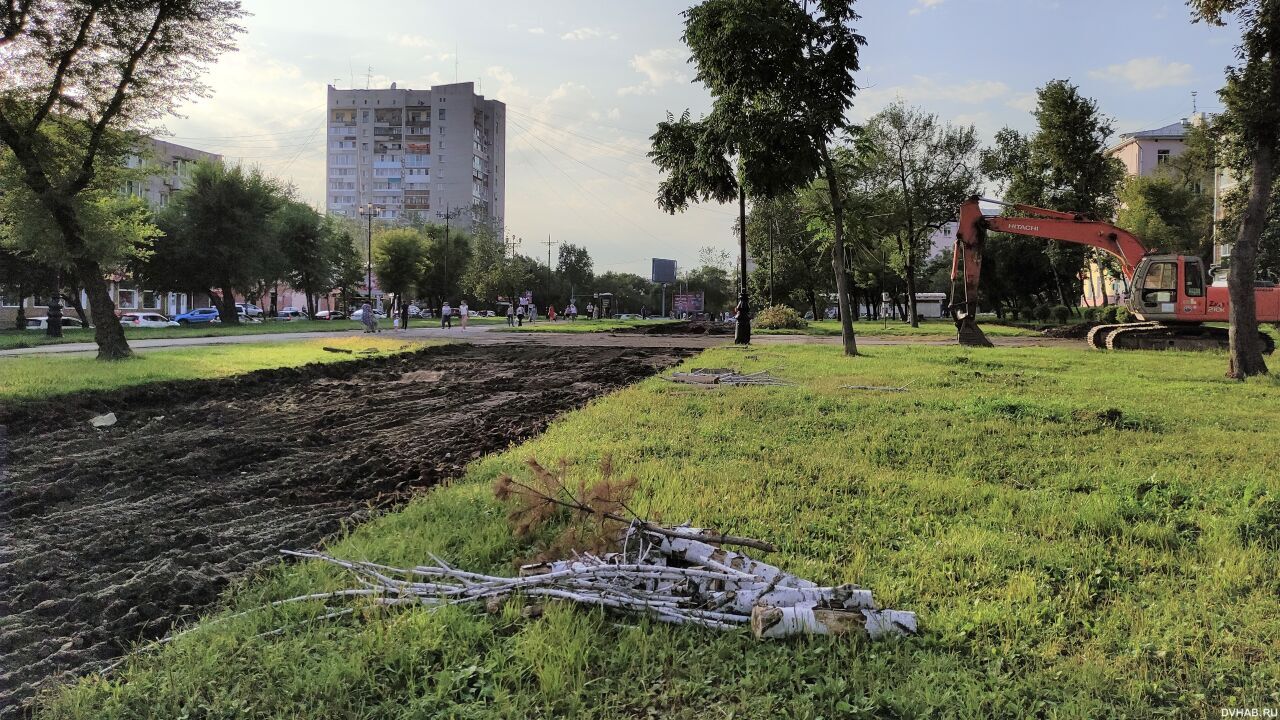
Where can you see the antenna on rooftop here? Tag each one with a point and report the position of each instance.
(368, 78)
(1193, 102)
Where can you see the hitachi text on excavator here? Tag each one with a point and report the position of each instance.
(1171, 295)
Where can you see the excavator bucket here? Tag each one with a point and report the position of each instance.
(969, 334)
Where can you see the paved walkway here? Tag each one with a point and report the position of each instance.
(491, 335)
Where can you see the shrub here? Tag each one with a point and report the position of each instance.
(780, 317)
(1123, 315)
(1108, 314)
(1092, 314)
(1061, 313)
(1042, 313)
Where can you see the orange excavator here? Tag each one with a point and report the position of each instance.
(1169, 294)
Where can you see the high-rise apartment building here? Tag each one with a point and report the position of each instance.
(416, 153)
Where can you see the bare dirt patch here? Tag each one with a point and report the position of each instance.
(110, 536)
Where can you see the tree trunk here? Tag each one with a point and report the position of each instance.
(911, 289)
(837, 255)
(107, 331)
(227, 307)
(1244, 345)
(742, 330)
(20, 322)
(813, 303)
(78, 306)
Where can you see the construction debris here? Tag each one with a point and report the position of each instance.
(102, 421)
(663, 573)
(724, 376)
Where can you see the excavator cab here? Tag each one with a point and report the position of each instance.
(1169, 288)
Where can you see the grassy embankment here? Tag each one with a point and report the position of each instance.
(28, 338)
(34, 376)
(1083, 535)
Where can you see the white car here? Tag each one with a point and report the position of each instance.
(358, 315)
(146, 320)
(291, 314)
(42, 323)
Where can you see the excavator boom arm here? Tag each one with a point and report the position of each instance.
(966, 262)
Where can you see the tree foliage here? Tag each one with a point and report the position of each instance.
(76, 73)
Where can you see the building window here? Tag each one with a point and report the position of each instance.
(149, 300)
(9, 299)
(128, 299)
(441, 114)
(1162, 157)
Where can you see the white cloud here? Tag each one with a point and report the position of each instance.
(536, 30)
(659, 66)
(1025, 102)
(925, 90)
(588, 33)
(408, 40)
(922, 5)
(1146, 73)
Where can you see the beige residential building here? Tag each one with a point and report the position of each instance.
(416, 153)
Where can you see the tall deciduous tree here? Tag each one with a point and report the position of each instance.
(218, 236)
(399, 260)
(788, 254)
(927, 168)
(76, 71)
(781, 72)
(1252, 101)
(575, 268)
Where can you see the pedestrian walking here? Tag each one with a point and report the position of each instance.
(511, 315)
(520, 316)
(464, 313)
(591, 311)
(446, 315)
(533, 312)
(551, 313)
(367, 319)
(572, 311)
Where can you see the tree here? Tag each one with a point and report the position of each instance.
(21, 276)
(928, 169)
(715, 284)
(574, 267)
(1062, 166)
(309, 249)
(77, 72)
(399, 260)
(1251, 99)
(219, 237)
(446, 263)
(781, 73)
(788, 253)
(1167, 214)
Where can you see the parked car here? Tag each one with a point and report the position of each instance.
(42, 323)
(488, 313)
(628, 316)
(146, 320)
(330, 315)
(415, 311)
(291, 314)
(249, 309)
(197, 316)
(358, 315)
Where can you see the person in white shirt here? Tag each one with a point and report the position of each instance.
(462, 308)
(446, 315)
(572, 312)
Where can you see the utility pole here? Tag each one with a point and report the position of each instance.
(369, 211)
(742, 332)
(549, 244)
(448, 214)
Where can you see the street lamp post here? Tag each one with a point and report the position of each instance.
(368, 212)
(742, 331)
(448, 214)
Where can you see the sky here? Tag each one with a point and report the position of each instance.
(586, 82)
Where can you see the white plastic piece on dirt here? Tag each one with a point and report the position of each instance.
(104, 420)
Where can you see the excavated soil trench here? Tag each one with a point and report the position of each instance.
(109, 536)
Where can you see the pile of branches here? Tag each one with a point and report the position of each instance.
(724, 376)
(660, 572)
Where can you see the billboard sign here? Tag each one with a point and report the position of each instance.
(664, 271)
(690, 302)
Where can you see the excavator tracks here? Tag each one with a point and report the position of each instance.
(1158, 336)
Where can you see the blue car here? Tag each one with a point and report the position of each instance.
(199, 315)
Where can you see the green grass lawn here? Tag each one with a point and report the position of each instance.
(34, 376)
(896, 328)
(1083, 535)
(580, 325)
